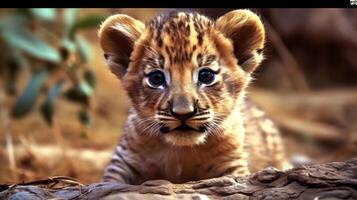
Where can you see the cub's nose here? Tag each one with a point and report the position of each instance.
(182, 108)
(183, 114)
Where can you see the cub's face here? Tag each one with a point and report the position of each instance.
(183, 72)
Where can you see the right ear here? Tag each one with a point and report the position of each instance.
(117, 36)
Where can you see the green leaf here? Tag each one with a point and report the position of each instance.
(85, 88)
(69, 19)
(85, 118)
(25, 40)
(47, 109)
(16, 57)
(26, 100)
(67, 48)
(75, 95)
(13, 21)
(44, 14)
(89, 77)
(80, 93)
(84, 49)
(86, 22)
(55, 90)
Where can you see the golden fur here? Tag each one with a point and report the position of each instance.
(227, 134)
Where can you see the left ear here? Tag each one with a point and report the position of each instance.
(117, 36)
(247, 33)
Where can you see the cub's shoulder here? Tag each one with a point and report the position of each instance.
(263, 141)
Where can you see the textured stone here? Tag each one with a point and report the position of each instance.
(337, 180)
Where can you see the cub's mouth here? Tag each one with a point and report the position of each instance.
(183, 128)
(184, 135)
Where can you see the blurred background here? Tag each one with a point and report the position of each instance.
(61, 110)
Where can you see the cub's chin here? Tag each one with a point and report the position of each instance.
(185, 138)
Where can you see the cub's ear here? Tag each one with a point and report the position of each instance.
(117, 36)
(247, 33)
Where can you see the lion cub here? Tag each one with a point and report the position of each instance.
(186, 76)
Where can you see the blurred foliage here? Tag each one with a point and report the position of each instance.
(46, 43)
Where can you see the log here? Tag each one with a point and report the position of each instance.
(336, 180)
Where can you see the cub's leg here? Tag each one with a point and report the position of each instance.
(122, 167)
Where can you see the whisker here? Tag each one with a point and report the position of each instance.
(166, 119)
(203, 113)
(164, 114)
(198, 119)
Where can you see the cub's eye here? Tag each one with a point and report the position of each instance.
(156, 79)
(206, 76)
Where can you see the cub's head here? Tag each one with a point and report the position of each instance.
(183, 72)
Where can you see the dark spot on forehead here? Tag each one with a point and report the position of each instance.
(190, 55)
(161, 61)
(167, 30)
(176, 27)
(167, 49)
(199, 59)
(200, 39)
(180, 24)
(188, 30)
(159, 42)
(172, 25)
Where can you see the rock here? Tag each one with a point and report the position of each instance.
(337, 180)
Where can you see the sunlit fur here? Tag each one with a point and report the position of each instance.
(179, 45)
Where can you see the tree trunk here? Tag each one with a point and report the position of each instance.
(337, 180)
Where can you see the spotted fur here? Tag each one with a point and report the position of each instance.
(228, 134)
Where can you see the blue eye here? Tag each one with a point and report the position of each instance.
(156, 79)
(206, 76)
